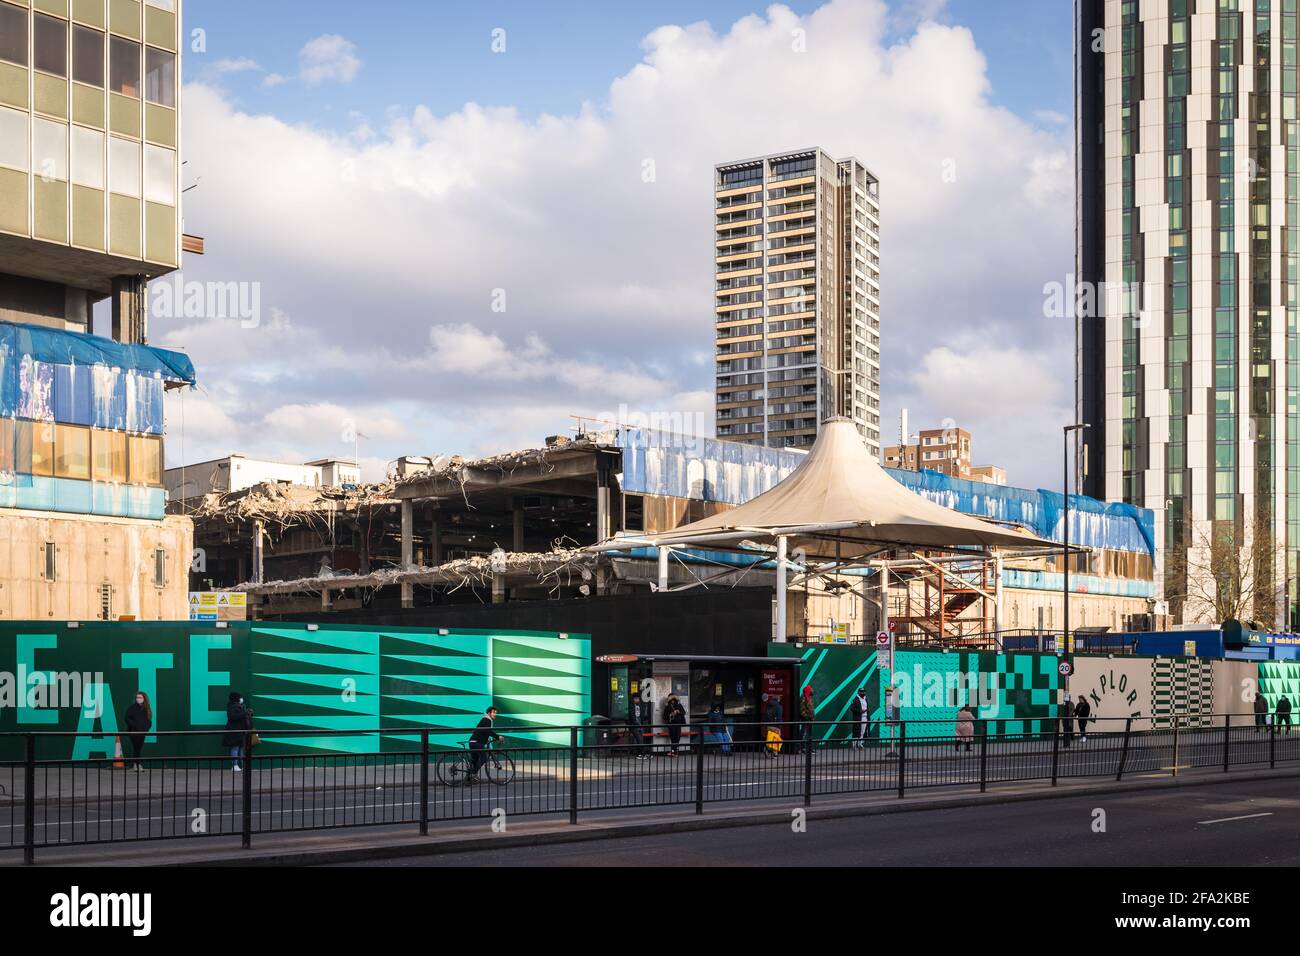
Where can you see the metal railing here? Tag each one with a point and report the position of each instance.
(403, 776)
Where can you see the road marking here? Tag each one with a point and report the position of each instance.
(1249, 816)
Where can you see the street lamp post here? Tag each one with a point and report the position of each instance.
(1065, 632)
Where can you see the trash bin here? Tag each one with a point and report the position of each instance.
(597, 735)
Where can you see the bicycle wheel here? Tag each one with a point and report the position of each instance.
(500, 768)
(453, 769)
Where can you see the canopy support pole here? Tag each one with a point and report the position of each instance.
(781, 545)
(997, 591)
(663, 568)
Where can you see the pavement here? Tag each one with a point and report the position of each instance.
(467, 839)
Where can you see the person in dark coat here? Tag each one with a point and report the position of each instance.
(635, 714)
(1082, 712)
(807, 714)
(1066, 721)
(139, 721)
(860, 714)
(674, 717)
(478, 743)
(239, 720)
(1283, 718)
(1261, 711)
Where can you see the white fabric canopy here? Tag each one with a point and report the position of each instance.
(840, 501)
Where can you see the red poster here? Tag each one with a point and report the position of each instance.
(776, 683)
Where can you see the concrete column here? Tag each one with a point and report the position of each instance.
(325, 602)
(781, 550)
(518, 512)
(130, 309)
(663, 568)
(408, 548)
(258, 531)
(435, 543)
(498, 589)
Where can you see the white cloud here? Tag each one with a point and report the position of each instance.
(389, 249)
(237, 65)
(328, 58)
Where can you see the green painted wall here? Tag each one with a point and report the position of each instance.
(337, 677)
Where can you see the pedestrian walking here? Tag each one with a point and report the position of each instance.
(138, 721)
(807, 714)
(965, 727)
(674, 717)
(1261, 710)
(773, 721)
(1066, 722)
(861, 715)
(1283, 718)
(1082, 713)
(636, 710)
(718, 727)
(239, 720)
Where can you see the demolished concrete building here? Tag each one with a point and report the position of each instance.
(443, 531)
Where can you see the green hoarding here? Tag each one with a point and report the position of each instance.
(326, 678)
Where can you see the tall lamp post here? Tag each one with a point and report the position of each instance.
(1065, 634)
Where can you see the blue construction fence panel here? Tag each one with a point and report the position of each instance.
(708, 469)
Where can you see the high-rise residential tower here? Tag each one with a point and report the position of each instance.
(798, 298)
(1188, 144)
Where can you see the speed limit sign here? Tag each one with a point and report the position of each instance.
(1065, 668)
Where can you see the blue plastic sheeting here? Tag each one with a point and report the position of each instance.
(1093, 524)
(1079, 583)
(68, 496)
(52, 376)
(661, 463)
(683, 466)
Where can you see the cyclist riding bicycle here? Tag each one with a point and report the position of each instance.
(478, 743)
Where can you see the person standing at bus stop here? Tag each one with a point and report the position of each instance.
(807, 714)
(1261, 711)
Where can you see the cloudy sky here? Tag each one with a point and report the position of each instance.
(458, 225)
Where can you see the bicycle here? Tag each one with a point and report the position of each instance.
(455, 769)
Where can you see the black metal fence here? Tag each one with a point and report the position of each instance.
(49, 801)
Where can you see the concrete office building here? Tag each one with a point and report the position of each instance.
(797, 314)
(1188, 142)
(89, 209)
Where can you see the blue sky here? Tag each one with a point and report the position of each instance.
(386, 181)
(562, 52)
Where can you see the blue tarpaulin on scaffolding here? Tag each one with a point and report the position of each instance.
(74, 378)
(707, 469)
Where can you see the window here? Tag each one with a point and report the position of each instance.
(109, 456)
(50, 45)
(159, 568)
(51, 561)
(163, 4)
(145, 461)
(33, 448)
(123, 167)
(124, 67)
(7, 427)
(160, 175)
(88, 56)
(160, 77)
(106, 602)
(13, 34)
(49, 149)
(71, 452)
(87, 157)
(13, 139)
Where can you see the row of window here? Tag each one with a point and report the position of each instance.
(76, 153)
(56, 43)
(50, 559)
(75, 451)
